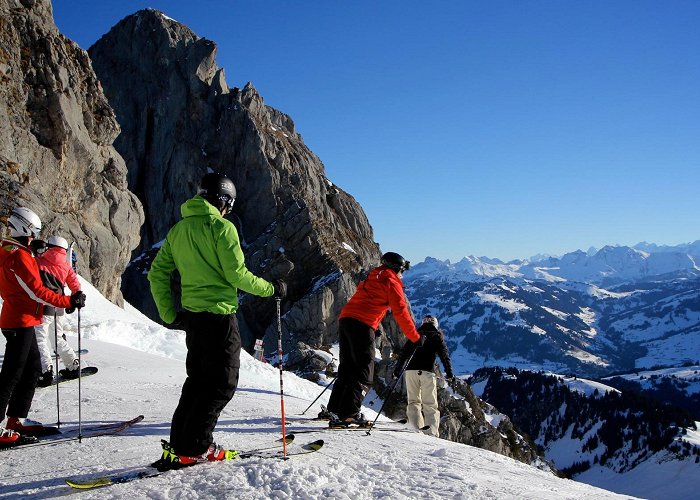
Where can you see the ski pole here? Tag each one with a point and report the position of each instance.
(80, 369)
(280, 354)
(317, 398)
(55, 343)
(392, 389)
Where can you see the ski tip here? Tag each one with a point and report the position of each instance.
(315, 446)
(88, 484)
(402, 421)
(287, 439)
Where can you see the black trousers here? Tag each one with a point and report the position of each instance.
(213, 362)
(356, 370)
(21, 368)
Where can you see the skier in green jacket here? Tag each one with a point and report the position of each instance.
(205, 249)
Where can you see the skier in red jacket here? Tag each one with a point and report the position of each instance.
(359, 319)
(55, 268)
(24, 297)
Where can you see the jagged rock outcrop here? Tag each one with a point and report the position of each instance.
(56, 154)
(464, 418)
(179, 118)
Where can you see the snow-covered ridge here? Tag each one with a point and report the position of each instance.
(620, 263)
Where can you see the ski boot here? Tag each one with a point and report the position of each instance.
(72, 372)
(27, 427)
(46, 378)
(324, 414)
(8, 437)
(357, 420)
(171, 460)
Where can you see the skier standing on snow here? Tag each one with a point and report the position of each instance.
(359, 319)
(205, 249)
(56, 270)
(23, 296)
(421, 386)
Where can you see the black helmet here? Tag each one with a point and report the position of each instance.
(395, 262)
(218, 190)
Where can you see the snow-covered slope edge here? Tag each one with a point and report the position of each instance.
(351, 465)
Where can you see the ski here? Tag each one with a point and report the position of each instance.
(377, 427)
(301, 420)
(144, 473)
(355, 428)
(87, 432)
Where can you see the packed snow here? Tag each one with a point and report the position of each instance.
(141, 372)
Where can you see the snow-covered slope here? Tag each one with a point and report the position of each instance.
(599, 434)
(141, 372)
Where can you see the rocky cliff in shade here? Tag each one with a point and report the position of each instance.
(56, 154)
(180, 119)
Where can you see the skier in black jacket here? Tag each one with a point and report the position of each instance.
(421, 387)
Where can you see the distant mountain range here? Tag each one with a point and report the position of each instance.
(592, 313)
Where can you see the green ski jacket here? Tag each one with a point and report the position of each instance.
(205, 249)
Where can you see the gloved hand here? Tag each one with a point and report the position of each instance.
(397, 371)
(179, 321)
(280, 289)
(37, 246)
(450, 378)
(77, 300)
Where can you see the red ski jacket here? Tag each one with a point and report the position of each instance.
(381, 291)
(54, 261)
(21, 289)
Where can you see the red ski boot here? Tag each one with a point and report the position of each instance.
(28, 427)
(8, 437)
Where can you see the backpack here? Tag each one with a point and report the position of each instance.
(54, 284)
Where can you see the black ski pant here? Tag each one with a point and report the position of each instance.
(21, 368)
(213, 361)
(356, 370)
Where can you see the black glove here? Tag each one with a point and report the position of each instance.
(280, 289)
(397, 372)
(450, 377)
(77, 300)
(70, 310)
(179, 321)
(37, 246)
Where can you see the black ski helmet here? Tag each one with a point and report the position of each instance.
(218, 190)
(395, 262)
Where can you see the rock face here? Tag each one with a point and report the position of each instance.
(56, 154)
(179, 119)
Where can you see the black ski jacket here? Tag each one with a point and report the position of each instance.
(424, 358)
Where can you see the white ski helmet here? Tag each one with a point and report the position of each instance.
(57, 241)
(24, 222)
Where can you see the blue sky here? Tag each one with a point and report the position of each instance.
(497, 128)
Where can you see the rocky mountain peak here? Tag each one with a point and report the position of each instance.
(56, 154)
(179, 120)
